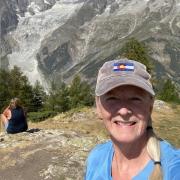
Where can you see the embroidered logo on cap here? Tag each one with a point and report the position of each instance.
(123, 67)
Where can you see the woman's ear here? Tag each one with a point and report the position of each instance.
(98, 110)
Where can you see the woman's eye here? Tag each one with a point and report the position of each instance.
(111, 98)
(136, 99)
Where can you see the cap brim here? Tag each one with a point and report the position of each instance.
(107, 85)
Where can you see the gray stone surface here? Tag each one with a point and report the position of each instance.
(55, 149)
(46, 154)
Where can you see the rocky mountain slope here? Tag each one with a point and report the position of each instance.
(56, 149)
(56, 39)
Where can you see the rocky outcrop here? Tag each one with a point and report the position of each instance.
(45, 154)
(8, 22)
(58, 39)
(55, 149)
(64, 53)
(10, 11)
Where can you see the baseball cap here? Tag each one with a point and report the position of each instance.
(122, 72)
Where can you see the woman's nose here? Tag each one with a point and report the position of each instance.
(124, 111)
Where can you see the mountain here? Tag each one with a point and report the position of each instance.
(56, 39)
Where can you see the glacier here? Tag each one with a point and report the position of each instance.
(31, 30)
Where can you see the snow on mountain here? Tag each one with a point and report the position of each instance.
(31, 30)
(56, 39)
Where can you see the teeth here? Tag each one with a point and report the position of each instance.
(125, 123)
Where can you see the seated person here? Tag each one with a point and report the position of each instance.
(14, 117)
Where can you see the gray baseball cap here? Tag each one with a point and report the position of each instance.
(123, 72)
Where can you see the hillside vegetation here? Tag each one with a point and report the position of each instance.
(166, 122)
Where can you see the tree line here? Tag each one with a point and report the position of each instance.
(60, 98)
(63, 97)
(165, 89)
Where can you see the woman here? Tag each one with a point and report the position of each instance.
(124, 100)
(14, 118)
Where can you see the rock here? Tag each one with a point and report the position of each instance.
(159, 104)
(55, 149)
(44, 154)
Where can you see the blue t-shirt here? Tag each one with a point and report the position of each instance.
(99, 163)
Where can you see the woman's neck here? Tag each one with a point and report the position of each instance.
(129, 159)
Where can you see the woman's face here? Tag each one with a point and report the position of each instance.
(125, 111)
(13, 104)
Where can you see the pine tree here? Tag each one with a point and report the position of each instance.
(86, 94)
(80, 93)
(21, 87)
(74, 92)
(169, 92)
(51, 102)
(13, 83)
(135, 50)
(5, 94)
(63, 98)
(39, 96)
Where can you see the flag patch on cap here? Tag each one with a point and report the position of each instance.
(123, 67)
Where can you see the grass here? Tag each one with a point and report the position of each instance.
(82, 120)
(166, 123)
(40, 116)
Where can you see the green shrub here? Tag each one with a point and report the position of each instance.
(169, 92)
(40, 116)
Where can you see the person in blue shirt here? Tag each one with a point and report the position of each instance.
(124, 101)
(14, 118)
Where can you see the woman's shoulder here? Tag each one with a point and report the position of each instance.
(169, 151)
(102, 147)
(7, 112)
(100, 150)
(98, 161)
(170, 160)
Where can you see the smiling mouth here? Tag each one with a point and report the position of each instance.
(124, 123)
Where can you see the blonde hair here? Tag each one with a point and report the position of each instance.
(16, 102)
(153, 148)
